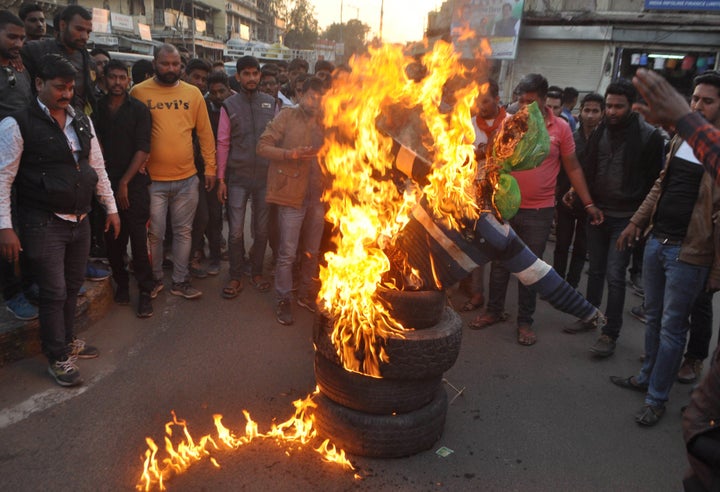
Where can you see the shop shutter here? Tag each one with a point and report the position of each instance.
(576, 63)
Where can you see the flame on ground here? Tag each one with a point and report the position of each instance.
(179, 457)
(364, 202)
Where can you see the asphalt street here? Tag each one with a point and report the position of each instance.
(530, 418)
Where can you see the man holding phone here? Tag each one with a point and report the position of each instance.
(295, 184)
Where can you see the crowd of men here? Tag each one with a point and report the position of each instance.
(92, 158)
(182, 141)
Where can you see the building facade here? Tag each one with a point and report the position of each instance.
(588, 43)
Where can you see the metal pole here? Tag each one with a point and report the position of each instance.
(341, 23)
(382, 11)
(192, 19)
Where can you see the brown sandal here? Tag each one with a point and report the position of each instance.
(486, 319)
(232, 289)
(473, 303)
(526, 335)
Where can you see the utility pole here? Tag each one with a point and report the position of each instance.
(192, 20)
(382, 13)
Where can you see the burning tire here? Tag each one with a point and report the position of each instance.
(421, 354)
(381, 436)
(373, 395)
(414, 309)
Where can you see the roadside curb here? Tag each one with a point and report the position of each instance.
(21, 339)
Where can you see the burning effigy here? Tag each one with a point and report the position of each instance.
(435, 230)
(410, 216)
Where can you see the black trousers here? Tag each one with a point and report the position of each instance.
(133, 226)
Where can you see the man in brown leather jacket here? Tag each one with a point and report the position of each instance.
(680, 256)
(295, 184)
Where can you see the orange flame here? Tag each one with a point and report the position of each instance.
(181, 456)
(364, 202)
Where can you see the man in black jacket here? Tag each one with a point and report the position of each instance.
(623, 158)
(73, 33)
(51, 154)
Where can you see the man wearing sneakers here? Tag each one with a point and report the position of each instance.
(177, 109)
(295, 184)
(15, 94)
(623, 158)
(681, 255)
(52, 156)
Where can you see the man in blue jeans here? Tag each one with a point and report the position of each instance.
(295, 184)
(243, 175)
(622, 160)
(52, 156)
(680, 256)
(178, 110)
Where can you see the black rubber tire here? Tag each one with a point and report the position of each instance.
(378, 396)
(414, 309)
(381, 436)
(421, 354)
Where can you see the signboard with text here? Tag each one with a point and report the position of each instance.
(122, 22)
(482, 25)
(708, 5)
(144, 31)
(101, 20)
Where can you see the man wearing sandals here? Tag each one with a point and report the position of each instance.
(534, 219)
(242, 174)
(295, 184)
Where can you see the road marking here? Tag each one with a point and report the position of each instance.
(46, 399)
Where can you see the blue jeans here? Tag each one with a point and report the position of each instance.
(298, 226)
(181, 197)
(533, 227)
(671, 288)
(58, 252)
(607, 262)
(239, 191)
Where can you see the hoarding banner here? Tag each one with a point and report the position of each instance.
(708, 5)
(477, 24)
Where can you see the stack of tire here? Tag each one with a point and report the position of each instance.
(402, 413)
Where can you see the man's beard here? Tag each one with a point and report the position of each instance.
(168, 77)
(9, 55)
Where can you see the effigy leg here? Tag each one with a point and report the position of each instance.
(443, 257)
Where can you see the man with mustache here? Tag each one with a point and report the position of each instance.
(75, 26)
(52, 156)
(178, 109)
(123, 126)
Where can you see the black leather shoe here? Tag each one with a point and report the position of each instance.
(628, 383)
(650, 415)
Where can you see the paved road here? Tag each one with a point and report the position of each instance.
(539, 418)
